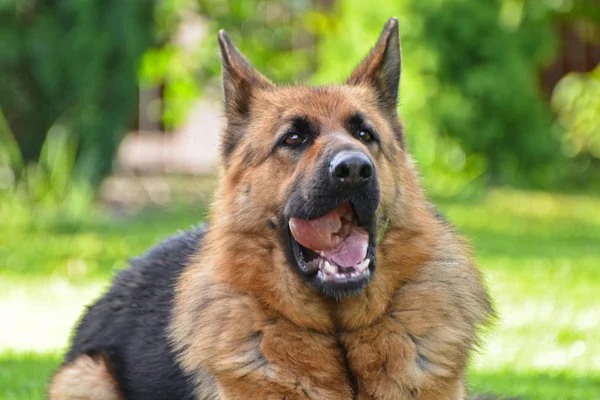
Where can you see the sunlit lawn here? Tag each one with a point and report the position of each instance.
(540, 254)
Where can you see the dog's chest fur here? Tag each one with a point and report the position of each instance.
(416, 349)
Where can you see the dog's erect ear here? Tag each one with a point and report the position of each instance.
(381, 67)
(240, 79)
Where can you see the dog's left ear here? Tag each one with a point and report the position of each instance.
(381, 68)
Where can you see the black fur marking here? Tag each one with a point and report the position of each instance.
(357, 122)
(398, 132)
(439, 216)
(230, 139)
(321, 193)
(127, 325)
(302, 126)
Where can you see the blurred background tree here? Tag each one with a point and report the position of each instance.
(473, 97)
(271, 33)
(73, 64)
(577, 100)
(474, 94)
(471, 94)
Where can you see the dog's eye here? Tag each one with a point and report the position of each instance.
(294, 139)
(365, 136)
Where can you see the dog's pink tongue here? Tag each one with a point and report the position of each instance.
(352, 250)
(344, 244)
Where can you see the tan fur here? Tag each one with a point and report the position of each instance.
(85, 378)
(244, 315)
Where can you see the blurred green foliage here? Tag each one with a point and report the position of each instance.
(169, 65)
(577, 101)
(75, 62)
(470, 97)
(271, 33)
(38, 192)
(470, 94)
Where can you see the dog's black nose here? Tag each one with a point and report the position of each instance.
(351, 168)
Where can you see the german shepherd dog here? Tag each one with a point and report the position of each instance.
(324, 272)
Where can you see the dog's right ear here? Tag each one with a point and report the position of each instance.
(240, 80)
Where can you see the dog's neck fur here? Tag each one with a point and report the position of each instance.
(249, 259)
(408, 243)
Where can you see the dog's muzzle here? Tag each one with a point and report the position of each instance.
(331, 224)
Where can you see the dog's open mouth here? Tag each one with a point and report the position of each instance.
(333, 249)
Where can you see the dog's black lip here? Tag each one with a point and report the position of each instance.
(318, 206)
(363, 220)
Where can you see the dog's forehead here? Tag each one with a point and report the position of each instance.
(323, 102)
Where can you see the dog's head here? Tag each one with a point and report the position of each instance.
(315, 167)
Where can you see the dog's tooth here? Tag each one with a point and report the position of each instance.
(330, 269)
(364, 264)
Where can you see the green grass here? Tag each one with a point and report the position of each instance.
(25, 375)
(540, 254)
(89, 250)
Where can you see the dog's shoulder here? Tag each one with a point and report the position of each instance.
(142, 291)
(152, 275)
(162, 263)
(132, 317)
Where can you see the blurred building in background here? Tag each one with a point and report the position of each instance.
(191, 147)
